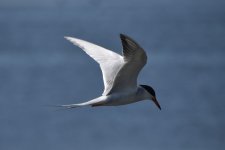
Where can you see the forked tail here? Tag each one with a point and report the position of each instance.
(95, 102)
(72, 105)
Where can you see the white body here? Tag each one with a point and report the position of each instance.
(116, 99)
(119, 73)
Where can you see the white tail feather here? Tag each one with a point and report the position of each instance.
(96, 101)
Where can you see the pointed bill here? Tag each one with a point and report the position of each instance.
(156, 102)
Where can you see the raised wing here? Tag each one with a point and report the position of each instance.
(110, 62)
(134, 60)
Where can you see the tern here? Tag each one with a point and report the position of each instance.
(119, 72)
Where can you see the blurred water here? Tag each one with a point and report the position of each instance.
(185, 44)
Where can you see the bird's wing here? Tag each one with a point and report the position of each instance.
(134, 60)
(109, 61)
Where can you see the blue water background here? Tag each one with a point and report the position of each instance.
(185, 42)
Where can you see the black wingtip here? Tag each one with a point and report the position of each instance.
(123, 36)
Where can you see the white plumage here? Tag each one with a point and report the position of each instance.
(119, 73)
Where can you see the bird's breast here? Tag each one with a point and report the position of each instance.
(123, 98)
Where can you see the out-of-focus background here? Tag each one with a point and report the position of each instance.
(184, 40)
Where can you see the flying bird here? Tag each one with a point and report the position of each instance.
(119, 72)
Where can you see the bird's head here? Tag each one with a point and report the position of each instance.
(152, 95)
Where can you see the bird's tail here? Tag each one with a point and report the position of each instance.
(72, 105)
(93, 102)
(63, 107)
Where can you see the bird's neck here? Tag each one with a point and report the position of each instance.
(142, 93)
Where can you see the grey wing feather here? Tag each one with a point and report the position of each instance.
(119, 73)
(109, 61)
(134, 60)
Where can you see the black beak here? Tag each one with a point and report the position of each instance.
(156, 102)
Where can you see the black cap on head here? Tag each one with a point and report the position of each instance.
(149, 89)
(152, 92)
